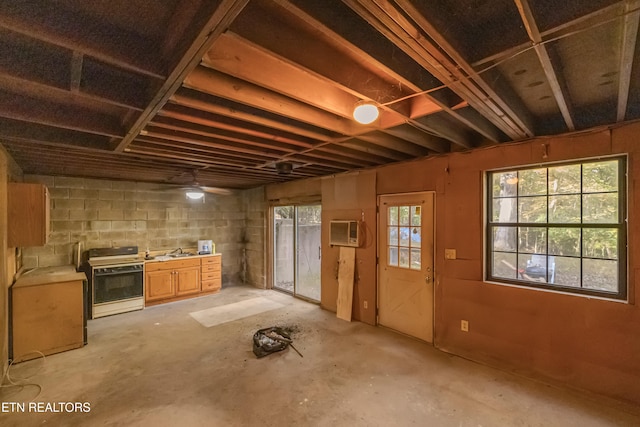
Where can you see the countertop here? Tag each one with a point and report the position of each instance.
(44, 275)
(164, 258)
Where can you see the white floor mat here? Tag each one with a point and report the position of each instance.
(230, 312)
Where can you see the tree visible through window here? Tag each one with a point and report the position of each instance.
(559, 227)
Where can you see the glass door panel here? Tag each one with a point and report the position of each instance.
(283, 253)
(296, 255)
(308, 252)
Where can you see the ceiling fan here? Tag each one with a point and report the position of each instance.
(194, 191)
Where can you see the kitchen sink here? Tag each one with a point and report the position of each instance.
(186, 254)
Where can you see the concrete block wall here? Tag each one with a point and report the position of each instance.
(103, 213)
(255, 236)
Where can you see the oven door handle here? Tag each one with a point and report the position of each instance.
(115, 273)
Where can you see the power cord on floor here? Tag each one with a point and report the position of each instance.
(8, 382)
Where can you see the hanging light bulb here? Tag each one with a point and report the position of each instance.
(194, 194)
(365, 113)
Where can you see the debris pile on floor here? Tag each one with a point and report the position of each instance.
(271, 340)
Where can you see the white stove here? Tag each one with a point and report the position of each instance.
(117, 281)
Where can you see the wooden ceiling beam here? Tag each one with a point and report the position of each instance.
(24, 131)
(576, 25)
(205, 102)
(32, 110)
(395, 143)
(450, 67)
(218, 22)
(553, 78)
(228, 87)
(228, 138)
(216, 121)
(51, 24)
(375, 149)
(237, 57)
(180, 138)
(627, 54)
(359, 73)
(182, 156)
(34, 85)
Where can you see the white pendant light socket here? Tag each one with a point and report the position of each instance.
(365, 113)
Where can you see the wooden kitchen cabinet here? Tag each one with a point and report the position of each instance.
(159, 285)
(211, 273)
(47, 312)
(171, 280)
(187, 280)
(28, 214)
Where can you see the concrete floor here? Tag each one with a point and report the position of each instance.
(160, 367)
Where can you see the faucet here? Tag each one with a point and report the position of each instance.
(179, 250)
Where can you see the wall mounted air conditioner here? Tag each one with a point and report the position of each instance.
(345, 233)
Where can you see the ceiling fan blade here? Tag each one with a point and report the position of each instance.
(216, 190)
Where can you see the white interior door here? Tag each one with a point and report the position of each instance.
(406, 248)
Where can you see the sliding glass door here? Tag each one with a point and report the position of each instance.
(296, 254)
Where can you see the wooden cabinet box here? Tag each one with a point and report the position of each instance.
(171, 280)
(47, 312)
(28, 214)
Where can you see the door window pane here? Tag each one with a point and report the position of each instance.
(416, 261)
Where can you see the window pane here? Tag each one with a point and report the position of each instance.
(564, 271)
(532, 240)
(600, 208)
(600, 243)
(504, 210)
(564, 179)
(393, 236)
(504, 265)
(393, 256)
(416, 217)
(504, 239)
(600, 274)
(404, 236)
(533, 268)
(416, 237)
(532, 182)
(504, 184)
(393, 215)
(404, 257)
(416, 262)
(564, 241)
(600, 176)
(564, 209)
(404, 215)
(532, 209)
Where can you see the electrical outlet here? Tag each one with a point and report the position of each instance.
(464, 325)
(366, 305)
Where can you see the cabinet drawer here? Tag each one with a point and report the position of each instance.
(211, 267)
(212, 260)
(210, 275)
(172, 265)
(211, 285)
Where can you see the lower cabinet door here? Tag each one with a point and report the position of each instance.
(188, 280)
(159, 285)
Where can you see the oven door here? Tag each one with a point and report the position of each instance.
(116, 284)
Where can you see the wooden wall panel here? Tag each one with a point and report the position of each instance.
(351, 196)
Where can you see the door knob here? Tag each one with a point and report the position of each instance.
(427, 279)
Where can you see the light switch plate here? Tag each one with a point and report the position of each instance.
(449, 254)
